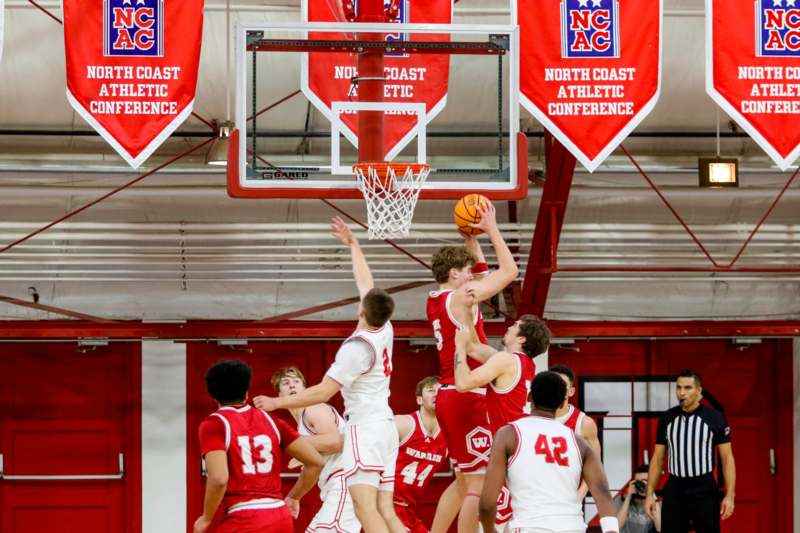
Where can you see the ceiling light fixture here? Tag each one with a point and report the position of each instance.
(718, 172)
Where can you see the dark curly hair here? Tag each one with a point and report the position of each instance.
(536, 334)
(450, 257)
(228, 380)
(548, 391)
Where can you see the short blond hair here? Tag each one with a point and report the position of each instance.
(289, 371)
(426, 382)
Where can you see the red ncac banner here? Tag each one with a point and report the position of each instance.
(132, 68)
(753, 70)
(409, 78)
(590, 70)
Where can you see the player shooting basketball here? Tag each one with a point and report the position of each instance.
(462, 415)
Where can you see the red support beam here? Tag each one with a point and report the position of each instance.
(370, 85)
(541, 260)
(55, 310)
(300, 329)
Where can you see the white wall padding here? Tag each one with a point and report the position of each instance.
(163, 436)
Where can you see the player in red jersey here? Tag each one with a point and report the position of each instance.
(507, 373)
(462, 416)
(242, 450)
(422, 453)
(575, 419)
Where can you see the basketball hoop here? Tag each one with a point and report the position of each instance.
(391, 191)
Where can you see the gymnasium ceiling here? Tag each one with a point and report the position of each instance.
(176, 246)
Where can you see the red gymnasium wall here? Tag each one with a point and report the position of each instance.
(70, 410)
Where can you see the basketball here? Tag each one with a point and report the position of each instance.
(466, 213)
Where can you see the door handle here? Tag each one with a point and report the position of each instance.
(64, 477)
(773, 468)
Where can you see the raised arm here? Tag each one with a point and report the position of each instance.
(463, 312)
(361, 272)
(595, 477)
(467, 379)
(471, 243)
(507, 270)
(503, 445)
(319, 393)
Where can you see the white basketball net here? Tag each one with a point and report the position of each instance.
(391, 199)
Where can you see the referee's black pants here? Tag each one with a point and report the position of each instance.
(690, 504)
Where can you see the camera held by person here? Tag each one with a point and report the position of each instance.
(632, 515)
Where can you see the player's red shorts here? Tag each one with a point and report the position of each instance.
(408, 516)
(465, 426)
(258, 521)
(504, 510)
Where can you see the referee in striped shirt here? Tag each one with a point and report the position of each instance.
(688, 433)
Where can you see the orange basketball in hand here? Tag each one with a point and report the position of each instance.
(466, 213)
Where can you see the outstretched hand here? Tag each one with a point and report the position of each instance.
(342, 231)
(265, 403)
(488, 222)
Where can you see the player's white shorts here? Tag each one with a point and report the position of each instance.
(369, 454)
(336, 514)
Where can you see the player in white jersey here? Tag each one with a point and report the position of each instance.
(361, 370)
(324, 428)
(543, 462)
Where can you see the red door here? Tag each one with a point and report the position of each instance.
(67, 413)
(313, 358)
(753, 385)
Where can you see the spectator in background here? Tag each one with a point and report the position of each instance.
(632, 515)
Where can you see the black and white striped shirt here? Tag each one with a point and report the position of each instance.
(690, 439)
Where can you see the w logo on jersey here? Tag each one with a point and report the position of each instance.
(777, 28)
(589, 28)
(133, 28)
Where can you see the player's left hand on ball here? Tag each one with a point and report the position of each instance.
(201, 525)
(293, 506)
(266, 403)
(470, 241)
(488, 221)
(726, 508)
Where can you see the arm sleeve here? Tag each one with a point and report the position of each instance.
(722, 433)
(661, 433)
(288, 433)
(212, 435)
(353, 359)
